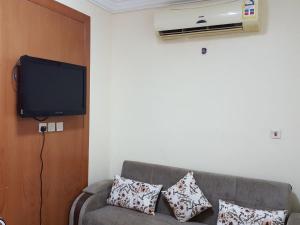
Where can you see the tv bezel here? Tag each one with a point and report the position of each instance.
(24, 113)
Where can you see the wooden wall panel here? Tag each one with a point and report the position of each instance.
(2, 131)
(46, 29)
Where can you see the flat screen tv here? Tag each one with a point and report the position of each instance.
(50, 88)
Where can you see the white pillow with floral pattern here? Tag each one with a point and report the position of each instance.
(133, 194)
(186, 199)
(230, 214)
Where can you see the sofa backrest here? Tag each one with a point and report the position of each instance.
(252, 193)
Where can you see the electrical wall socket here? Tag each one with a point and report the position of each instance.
(60, 126)
(42, 125)
(51, 127)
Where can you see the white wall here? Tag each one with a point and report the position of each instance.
(171, 105)
(163, 102)
(100, 81)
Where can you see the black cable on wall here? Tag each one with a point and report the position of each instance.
(43, 130)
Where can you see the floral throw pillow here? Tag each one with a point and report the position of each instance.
(230, 214)
(186, 199)
(134, 195)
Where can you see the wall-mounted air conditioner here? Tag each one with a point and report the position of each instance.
(208, 17)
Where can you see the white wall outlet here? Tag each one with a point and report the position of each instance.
(42, 125)
(51, 127)
(60, 126)
(276, 134)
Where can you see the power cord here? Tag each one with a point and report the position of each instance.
(43, 130)
(40, 119)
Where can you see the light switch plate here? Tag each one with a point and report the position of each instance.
(60, 126)
(42, 125)
(51, 127)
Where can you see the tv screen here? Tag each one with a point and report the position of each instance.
(50, 88)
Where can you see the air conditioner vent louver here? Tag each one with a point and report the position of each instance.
(234, 26)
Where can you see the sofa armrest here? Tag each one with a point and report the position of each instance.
(101, 186)
(294, 219)
(93, 197)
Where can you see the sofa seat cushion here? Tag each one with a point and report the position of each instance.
(111, 215)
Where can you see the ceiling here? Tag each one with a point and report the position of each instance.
(117, 6)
